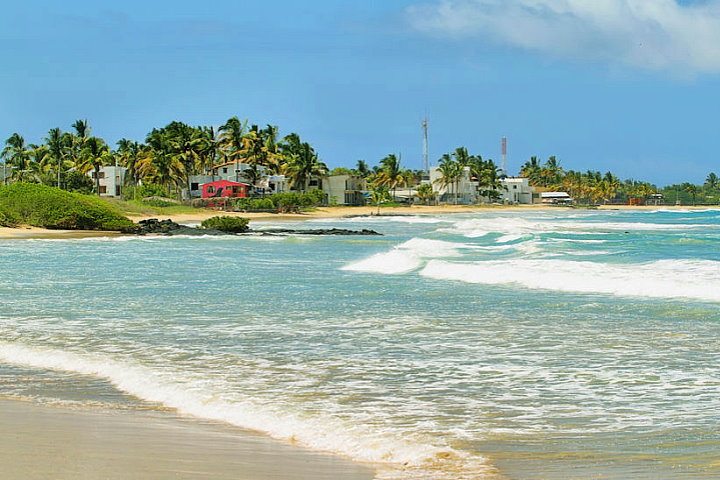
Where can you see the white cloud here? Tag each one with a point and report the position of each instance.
(651, 34)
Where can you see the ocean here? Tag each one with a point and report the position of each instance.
(549, 344)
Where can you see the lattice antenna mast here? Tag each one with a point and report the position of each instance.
(426, 149)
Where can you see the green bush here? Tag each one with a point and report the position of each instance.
(50, 207)
(226, 224)
(6, 220)
(278, 202)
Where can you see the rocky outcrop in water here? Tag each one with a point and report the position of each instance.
(154, 226)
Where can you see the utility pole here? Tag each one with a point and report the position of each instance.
(426, 150)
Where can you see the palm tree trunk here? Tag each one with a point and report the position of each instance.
(97, 180)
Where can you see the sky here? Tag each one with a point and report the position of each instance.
(631, 86)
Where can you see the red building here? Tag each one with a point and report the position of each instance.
(225, 189)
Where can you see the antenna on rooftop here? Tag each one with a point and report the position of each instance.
(426, 150)
(503, 148)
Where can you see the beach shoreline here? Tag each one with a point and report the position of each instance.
(25, 232)
(44, 441)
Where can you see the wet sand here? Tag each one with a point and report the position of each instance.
(41, 442)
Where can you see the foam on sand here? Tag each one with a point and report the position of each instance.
(693, 279)
(192, 396)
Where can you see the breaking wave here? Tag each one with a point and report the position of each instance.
(692, 279)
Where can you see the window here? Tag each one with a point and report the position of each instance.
(224, 169)
(103, 189)
(211, 189)
(194, 186)
(514, 187)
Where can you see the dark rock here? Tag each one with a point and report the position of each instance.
(154, 226)
(317, 231)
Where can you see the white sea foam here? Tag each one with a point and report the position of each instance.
(514, 226)
(406, 257)
(694, 279)
(192, 397)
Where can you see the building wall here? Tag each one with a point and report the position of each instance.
(111, 180)
(518, 190)
(344, 189)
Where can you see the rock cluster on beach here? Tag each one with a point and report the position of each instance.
(154, 226)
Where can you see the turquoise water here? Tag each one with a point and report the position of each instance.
(546, 344)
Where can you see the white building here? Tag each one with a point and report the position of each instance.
(344, 189)
(465, 188)
(512, 190)
(111, 180)
(516, 190)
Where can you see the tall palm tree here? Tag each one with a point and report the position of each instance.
(129, 155)
(531, 170)
(57, 144)
(362, 169)
(232, 135)
(391, 174)
(712, 181)
(15, 153)
(450, 173)
(304, 164)
(93, 156)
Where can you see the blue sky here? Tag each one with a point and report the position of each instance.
(630, 86)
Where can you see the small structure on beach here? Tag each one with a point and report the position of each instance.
(555, 198)
(225, 189)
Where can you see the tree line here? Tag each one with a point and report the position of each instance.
(595, 187)
(168, 157)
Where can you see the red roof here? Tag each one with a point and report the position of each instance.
(226, 183)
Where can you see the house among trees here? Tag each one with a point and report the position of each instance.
(225, 189)
(109, 180)
(344, 189)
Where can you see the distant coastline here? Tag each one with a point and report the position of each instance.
(25, 232)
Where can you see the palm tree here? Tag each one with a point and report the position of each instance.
(231, 141)
(531, 170)
(129, 155)
(304, 164)
(16, 154)
(362, 169)
(57, 144)
(692, 190)
(161, 168)
(450, 173)
(93, 156)
(712, 181)
(391, 174)
(425, 193)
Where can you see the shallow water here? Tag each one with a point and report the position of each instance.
(546, 344)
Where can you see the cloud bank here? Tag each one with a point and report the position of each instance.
(650, 34)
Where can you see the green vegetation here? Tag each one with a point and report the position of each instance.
(226, 224)
(167, 158)
(286, 202)
(49, 207)
(154, 207)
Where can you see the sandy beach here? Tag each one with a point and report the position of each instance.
(41, 442)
